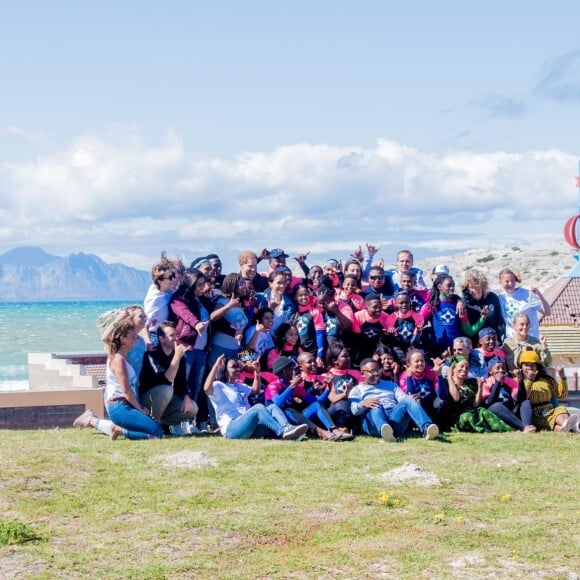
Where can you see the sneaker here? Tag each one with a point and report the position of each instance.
(177, 430)
(387, 433)
(294, 431)
(431, 432)
(570, 424)
(202, 427)
(83, 421)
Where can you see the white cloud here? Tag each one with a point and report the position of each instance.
(121, 196)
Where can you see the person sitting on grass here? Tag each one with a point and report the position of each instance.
(421, 382)
(128, 417)
(506, 397)
(236, 418)
(461, 402)
(341, 378)
(385, 410)
(541, 389)
(290, 394)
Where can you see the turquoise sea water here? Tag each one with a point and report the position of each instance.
(45, 327)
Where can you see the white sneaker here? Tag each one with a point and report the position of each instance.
(387, 433)
(432, 432)
(570, 424)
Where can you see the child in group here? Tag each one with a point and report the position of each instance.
(349, 292)
(290, 393)
(370, 325)
(421, 382)
(335, 317)
(404, 326)
(340, 379)
(389, 362)
(417, 297)
(447, 324)
(541, 389)
(506, 397)
(522, 341)
(314, 277)
(286, 343)
(311, 338)
(487, 345)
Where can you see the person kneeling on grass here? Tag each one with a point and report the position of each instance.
(236, 418)
(385, 409)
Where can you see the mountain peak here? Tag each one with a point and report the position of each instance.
(26, 256)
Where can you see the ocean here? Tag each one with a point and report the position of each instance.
(45, 327)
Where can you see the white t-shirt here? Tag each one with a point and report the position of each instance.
(230, 400)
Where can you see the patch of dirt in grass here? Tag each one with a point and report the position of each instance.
(383, 569)
(14, 565)
(475, 565)
(192, 459)
(411, 473)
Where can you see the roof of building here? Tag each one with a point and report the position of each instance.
(564, 299)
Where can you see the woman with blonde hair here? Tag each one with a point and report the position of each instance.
(516, 299)
(476, 295)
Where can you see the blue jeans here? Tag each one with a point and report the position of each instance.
(247, 425)
(136, 425)
(195, 361)
(398, 418)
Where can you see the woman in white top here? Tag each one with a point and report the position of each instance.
(121, 390)
(518, 300)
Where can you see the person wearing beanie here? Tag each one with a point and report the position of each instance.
(541, 388)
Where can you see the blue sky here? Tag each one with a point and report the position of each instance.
(128, 128)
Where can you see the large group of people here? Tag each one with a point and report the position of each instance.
(340, 350)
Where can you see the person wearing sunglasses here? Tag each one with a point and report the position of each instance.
(156, 303)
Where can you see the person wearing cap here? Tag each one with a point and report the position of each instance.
(236, 418)
(522, 340)
(506, 397)
(277, 259)
(476, 296)
(437, 270)
(541, 389)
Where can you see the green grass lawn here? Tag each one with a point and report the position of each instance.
(74, 504)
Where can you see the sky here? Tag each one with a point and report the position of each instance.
(131, 128)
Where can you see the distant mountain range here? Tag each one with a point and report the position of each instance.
(30, 274)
